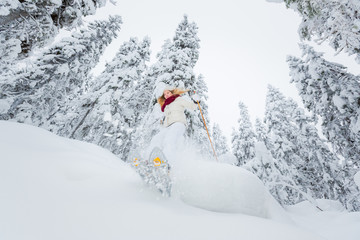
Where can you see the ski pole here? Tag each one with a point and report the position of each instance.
(207, 130)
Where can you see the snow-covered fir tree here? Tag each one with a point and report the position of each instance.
(337, 22)
(331, 93)
(39, 94)
(321, 171)
(110, 112)
(272, 172)
(220, 141)
(8, 55)
(243, 139)
(298, 146)
(174, 66)
(178, 57)
(196, 127)
(36, 22)
(260, 130)
(284, 149)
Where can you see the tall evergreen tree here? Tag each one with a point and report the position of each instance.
(275, 176)
(320, 166)
(8, 54)
(260, 130)
(284, 148)
(314, 168)
(40, 93)
(330, 92)
(220, 141)
(110, 112)
(196, 123)
(337, 22)
(178, 57)
(243, 140)
(36, 22)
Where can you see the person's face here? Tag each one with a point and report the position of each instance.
(167, 94)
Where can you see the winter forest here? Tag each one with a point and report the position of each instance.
(299, 153)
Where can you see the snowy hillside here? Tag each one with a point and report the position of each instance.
(55, 188)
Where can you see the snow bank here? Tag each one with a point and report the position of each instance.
(332, 224)
(222, 187)
(56, 188)
(306, 208)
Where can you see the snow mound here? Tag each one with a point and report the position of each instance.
(221, 187)
(306, 208)
(228, 158)
(333, 223)
(56, 188)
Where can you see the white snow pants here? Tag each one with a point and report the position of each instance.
(169, 140)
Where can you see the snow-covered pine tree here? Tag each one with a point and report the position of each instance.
(220, 141)
(271, 171)
(36, 22)
(40, 93)
(273, 174)
(196, 125)
(260, 131)
(284, 148)
(317, 170)
(337, 22)
(178, 57)
(8, 53)
(174, 66)
(243, 140)
(320, 166)
(330, 92)
(321, 171)
(110, 112)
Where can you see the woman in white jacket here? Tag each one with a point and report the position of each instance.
(171, 137)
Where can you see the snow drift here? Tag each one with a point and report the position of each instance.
(56, 188)
(222, 188)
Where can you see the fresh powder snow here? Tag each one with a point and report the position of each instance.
(56, 188)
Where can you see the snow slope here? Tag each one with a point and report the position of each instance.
(56, 188)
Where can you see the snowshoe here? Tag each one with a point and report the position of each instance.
(154, 171)
(160, 171)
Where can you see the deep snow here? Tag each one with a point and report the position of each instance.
(56, 188)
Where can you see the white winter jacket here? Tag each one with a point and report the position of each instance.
(174, 112)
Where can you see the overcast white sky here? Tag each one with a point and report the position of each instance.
(244, 45)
